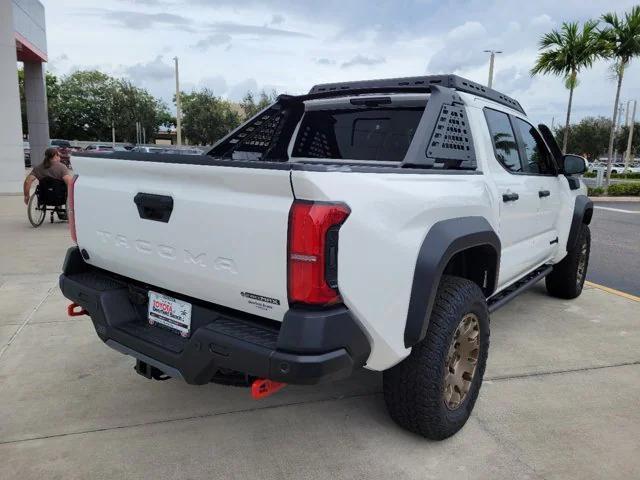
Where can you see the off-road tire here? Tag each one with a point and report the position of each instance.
(567, 277)
(414, 390)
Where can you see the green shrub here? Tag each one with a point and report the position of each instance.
(624, 190)
(595, 191)
(629, 176)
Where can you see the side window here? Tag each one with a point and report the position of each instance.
(537, 157)
(504, 140)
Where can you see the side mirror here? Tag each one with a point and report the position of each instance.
(574, 165)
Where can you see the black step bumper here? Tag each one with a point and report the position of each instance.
(309, 346)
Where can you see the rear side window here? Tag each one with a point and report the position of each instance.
(504, 140)
(537, 157)
(377, 134)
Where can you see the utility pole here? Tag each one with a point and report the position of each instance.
(491, 62)
(178, 107)
(630, 139)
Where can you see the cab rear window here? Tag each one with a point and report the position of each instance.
(376, 134)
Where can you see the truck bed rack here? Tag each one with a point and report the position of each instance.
(418, 84)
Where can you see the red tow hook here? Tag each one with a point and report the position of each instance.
(72, 310)
(263, 387)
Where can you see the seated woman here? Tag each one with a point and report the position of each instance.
(51, 167)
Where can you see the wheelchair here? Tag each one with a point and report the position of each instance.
(50, 196)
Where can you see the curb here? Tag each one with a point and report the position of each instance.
(616, 199)
(613, 291)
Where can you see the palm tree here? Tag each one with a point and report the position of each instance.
(622, 39)
(565, 53)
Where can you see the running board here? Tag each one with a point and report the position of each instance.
(505, 296)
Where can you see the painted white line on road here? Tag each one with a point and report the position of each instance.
(617, 210)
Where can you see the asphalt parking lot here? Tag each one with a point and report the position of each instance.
(615, 246)
(560, 399)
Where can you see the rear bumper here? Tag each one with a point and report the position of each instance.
(306, 348)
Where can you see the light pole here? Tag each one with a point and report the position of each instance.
(491, 62)
(178, 107)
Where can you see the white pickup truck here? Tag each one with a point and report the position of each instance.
(369, 224)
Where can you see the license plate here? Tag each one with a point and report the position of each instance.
(169, 312)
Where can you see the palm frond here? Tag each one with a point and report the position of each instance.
(566, 51)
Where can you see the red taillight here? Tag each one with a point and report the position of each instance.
(71, 213)
(313, 251)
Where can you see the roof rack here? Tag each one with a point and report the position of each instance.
(419, 84)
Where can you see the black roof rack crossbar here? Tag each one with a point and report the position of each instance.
(414, 84)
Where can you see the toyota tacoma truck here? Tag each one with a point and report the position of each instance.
(372, 224)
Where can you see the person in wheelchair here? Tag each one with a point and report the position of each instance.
(54, 180)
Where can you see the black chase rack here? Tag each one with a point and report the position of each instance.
(417, 84)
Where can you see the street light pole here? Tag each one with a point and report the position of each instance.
(178, 106)
(491, 62)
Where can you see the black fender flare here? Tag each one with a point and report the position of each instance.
(442, 242)
(582, 213)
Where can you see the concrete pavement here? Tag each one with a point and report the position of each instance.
(560, 398)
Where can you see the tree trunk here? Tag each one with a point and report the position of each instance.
(565, 138)
(613, 129)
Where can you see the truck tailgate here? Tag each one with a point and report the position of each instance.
(225, 240)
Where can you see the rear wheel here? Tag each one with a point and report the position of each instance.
(432, 392)
(567, 277)
(34, 212)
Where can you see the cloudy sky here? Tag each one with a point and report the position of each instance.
(232, 46)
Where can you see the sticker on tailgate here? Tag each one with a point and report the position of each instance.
(260, 301)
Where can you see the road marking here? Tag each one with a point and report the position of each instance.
(628, 296)
(617, 210)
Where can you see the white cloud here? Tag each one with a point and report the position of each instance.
(156, 70)
(362, 60)
(232, 47)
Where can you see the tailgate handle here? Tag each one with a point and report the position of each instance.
(154, 207)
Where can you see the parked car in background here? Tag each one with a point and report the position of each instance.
(64, 149)
(99, 148)
(27, 154)
(616, 167)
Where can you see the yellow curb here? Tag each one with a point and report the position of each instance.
(628, 296)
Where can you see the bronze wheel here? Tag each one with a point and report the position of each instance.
(432, 392)
(461, 361)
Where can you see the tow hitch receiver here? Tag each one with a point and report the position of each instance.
(75, 310)
(263, 387)
(149, 371)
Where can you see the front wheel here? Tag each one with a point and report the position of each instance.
(567, 277)
(35, 213)
(432, 392)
